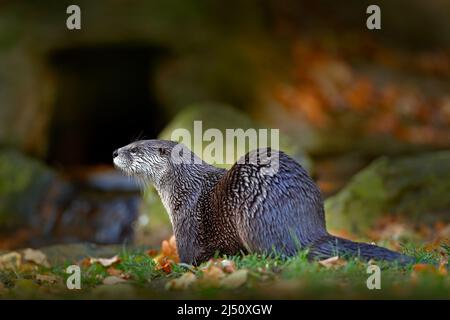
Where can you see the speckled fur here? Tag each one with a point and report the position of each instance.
(242, 209)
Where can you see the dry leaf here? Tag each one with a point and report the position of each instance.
(333, 262)
(11, 260)
(117, 273)
(165, 248)
(423, 267)
(28, 267)
(235, 280)
(183, 282)
(228, 266)
(114, 272)
(442, 269)
(86, 262)
(213, 275)
(47, 278)
(173, 243)
(428, 268)
(36, 256)
(105, 261)
(169, 249)
(168, 255)
(163, 264)
(111, 280)
(152, 252)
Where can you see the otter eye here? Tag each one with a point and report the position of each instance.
(134, 150)
(162, 151)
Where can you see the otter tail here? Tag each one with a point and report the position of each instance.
(330, 246)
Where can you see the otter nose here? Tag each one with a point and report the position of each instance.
(115, 153)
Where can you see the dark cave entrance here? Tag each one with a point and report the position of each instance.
(104, 100)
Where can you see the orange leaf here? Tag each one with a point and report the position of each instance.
(442, 269)
(228, 266)
(114, 272)
(152, 252)
(419, 267)
(164, 264)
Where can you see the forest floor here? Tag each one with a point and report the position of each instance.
(155, 274)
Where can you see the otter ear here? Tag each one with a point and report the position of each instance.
(163, 151)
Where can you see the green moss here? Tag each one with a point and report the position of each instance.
(416, 186)
(221, 116)
(23, 182)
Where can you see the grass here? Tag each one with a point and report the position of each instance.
(268, 277)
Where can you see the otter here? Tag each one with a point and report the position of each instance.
(254, 207)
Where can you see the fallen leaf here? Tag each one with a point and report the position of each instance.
(333, 262)
(112, 280)
(423, 267)
(168, 255)
(47, 278)
(228, 266)
(169, 249)
(173, 243)
(152, 252)
(36, 256)
(443, 231)
(28, 267)
(86, 262)
(235, 279)
(11, 260)
(117, 273)
(213, 275)
(442, 269)
(164, 264)
(106, 262)
(432, 246)
(183, 282)
(114, 272)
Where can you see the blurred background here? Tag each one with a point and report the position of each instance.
(367, 112)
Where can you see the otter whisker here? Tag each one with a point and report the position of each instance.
(244, 209)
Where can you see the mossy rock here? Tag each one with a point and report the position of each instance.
(414, 186)
(221, 116)
(23, 182)
(153, 224)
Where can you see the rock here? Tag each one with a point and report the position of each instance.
(74, 253)
(109, 180)
(416, 186)
(153, 225)
(23, 183)
(100, 206)
(93, 205)
(221, 116)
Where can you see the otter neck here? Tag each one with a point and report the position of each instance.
(182, 186)
(182, 191)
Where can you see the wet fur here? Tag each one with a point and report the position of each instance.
(240, 210)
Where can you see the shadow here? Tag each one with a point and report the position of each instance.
(105, 99)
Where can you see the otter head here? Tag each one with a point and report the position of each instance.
(148, 160)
